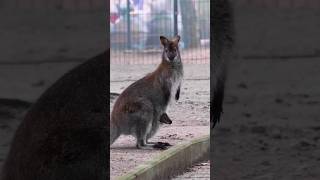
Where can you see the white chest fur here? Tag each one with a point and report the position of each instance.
(176, 81)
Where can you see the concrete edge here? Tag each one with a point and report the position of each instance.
(172, 161)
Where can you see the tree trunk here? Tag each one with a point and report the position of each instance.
(191, 36)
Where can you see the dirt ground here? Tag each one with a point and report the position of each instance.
(190, 115)
(26, 82)
(199, 55)
(198, 171)
(271, 126)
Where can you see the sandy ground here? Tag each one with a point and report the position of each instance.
(198, 171)
(190, 115)
(271, 126)
(27, 82)
(199, 55)
(11, 114)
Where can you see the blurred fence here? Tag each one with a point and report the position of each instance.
(136, 25)
(280, 3)
(93, 4)
(53, 4)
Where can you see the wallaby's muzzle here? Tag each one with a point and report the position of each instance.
(172, 57)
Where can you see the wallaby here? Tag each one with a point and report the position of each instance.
(223, 37)
(64, 136)
(141, 107)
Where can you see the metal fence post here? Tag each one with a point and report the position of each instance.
(128, 26)
(175, 17)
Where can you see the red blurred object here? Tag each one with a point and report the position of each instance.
(114, 17)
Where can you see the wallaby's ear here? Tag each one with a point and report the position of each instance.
(176, 40)
(163, 40)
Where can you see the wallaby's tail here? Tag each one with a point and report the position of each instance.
(223, 37)
(114, 133)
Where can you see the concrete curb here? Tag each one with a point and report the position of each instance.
(172, 161)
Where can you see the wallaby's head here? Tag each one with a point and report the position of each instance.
(170, 49)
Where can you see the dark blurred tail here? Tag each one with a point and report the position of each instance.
(218, 94)
(223, 37)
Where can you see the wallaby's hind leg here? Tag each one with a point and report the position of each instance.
(143, 130)
(141, 134)
(164, 118)
(142, 141)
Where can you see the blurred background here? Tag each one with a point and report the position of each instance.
(136, 25)
(40, 40)
(271, 123)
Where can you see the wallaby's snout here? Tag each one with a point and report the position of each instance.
(171, 48)
(171, 54)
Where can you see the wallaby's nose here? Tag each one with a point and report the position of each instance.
(171, 57)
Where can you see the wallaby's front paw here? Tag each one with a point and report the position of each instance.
(165, 119)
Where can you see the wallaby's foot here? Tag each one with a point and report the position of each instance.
(153, 145)
(160, 143)
(164, 143)
(165, 119)
(160, 146)
(145, 146)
